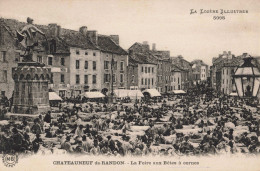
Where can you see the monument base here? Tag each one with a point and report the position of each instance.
(31, 94)
(39, 109)
(20, 117)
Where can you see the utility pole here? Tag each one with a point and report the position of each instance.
(112, 79)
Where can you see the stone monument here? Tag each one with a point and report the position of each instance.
(31, 94)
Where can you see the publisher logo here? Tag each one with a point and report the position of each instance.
(10, 160)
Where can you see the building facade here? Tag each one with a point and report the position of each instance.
(176, 78)
(200, 71)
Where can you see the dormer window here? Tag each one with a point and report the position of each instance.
(77, 52)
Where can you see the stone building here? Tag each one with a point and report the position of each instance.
(215, 69)
(176, 83)
(114, 61)
(160, 59)
(200, 71)
(141, 72)
(186, 71)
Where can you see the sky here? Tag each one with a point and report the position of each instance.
(168, 23)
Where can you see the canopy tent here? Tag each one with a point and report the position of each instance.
(53, 96)
(179, 92)
(152, 92)
(93, 95)
(233, 94)
(133, 94)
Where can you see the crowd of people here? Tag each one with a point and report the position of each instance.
(200, 123)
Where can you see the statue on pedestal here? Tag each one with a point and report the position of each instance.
(28, 33)
(31, 79)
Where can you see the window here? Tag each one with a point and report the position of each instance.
(223, 81)
(77, 64)
(115, 65)
(3, 56)
(114, 78)
(133, 78)
(62, 61)
(145, 69)
(94, 65)
(106, 78)
(148, 69)
(86, 53)
(227, 81)
(227, 71)
(86, 79)
(152, 70)
(77, 79)
(142, 69)
(142, 81)
(94, 54)
(51, 78)
(86, 65)
(49, 60)
(223, 72)
(106, 64)
(94, 79)
(152, 81)
(146, 81)
(121, 78)
(62, 78)
(3, 93)
(77, 52)
(121, 66)
(3, 76)
(39, 59)
(178, 80)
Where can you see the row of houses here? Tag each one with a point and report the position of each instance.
(223, 68)
(84, 60)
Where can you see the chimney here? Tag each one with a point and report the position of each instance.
(225, 52)
(58, 30)
(83, 30)
(54, 29)
(154, 47)
(145, 42)
(93, 36)
(115, 38)
(145, 46)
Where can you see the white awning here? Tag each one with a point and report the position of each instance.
(233, 94)
(54, 96)
(133, 94)
(152, 92)
(93, 95)
(179, 92)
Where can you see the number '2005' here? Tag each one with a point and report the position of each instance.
(219, 18)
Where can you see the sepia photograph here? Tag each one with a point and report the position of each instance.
(129, 85)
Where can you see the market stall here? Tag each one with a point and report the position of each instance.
(54, 99)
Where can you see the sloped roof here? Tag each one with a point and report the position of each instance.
(140, 58)
(76, 39)
(105, 43)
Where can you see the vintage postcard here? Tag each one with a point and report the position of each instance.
(129, 85)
